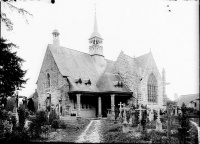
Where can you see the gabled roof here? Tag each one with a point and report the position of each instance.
(108, 82)
(126, 66)
(75, 64)
(110, 68)
(142, 60)
(186, 99)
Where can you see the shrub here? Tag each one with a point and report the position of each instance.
(183, 131)
(18, 136)
(55, 124)
(45, 129)
(115, 128)
(22, 116)
(62, 125)
(10, 104)
(52, 116)
(41, 118)
(35, 127)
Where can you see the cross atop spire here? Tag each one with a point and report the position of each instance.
(95, 21)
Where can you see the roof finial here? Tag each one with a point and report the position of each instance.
(95, 21)
(95, 8)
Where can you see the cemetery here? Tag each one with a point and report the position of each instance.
(132, 124)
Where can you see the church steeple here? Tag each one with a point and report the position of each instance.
(95, 41)
(56, 37)
(95, 31)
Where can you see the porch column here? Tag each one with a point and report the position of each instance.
(112, 106)
(78, 96)
(99, 107)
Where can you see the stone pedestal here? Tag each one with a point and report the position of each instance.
(78, 118)
(99, 107)
(125, 128)
(131, 121)
(133, 129)
(112, 107)
(158, 126)
(78, 96)
(140, 127)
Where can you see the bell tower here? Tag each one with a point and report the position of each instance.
(56, 37)
(95, 41)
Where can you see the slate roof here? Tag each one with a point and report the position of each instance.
(75, 64)
(186, 99)
(142, 60)
(108, 82)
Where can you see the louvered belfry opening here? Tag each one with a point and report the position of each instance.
(152, 87)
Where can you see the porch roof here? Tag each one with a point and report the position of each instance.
(102, 93)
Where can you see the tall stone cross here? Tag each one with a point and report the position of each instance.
(140, 109)
(169, 116)
(158, 118)
(120, 109)
(151, 113)
(125, 109)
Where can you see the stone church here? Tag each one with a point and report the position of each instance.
(89, 85)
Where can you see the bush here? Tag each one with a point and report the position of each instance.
(17, 136)
(41, 118)
(22, 116)
(62, 125)
(52, 116)
(55, 124)
(115, 128)
(10, 104)
(35, 127)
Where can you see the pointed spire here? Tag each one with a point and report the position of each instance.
(95, 31)
(95, 21)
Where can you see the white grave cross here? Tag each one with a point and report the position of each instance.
(151, 113)
(140, 109)
(120, 109)
(125, 109)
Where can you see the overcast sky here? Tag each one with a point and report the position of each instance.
(169, 28)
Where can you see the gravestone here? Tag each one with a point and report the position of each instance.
(140, 117)
(151, 114)
(124, 114)
(126, 125)
(109, 113)
(158, 122)
(120, 109)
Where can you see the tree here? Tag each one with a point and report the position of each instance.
(7, 21)
(10, 104)
(11, 74)
(184, 122)
(31, 105)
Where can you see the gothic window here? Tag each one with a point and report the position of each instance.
(152, 88)
(48, 80)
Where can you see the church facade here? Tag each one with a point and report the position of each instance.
(89, 85)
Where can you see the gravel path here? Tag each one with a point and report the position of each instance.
(91, 133)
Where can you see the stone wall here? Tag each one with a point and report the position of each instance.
(58, 85)
(151, 68)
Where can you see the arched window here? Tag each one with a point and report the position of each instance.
(152, 88)
(48, 80)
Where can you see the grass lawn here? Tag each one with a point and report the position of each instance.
(112, 133)
(69, 132)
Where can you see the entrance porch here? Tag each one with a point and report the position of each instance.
(93, 104)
